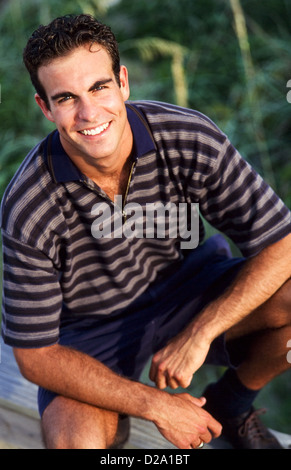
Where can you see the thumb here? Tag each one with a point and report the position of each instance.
(200, 401)
(196, 401)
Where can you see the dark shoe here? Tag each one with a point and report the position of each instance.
(248, 432)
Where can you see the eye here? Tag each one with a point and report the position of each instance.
(99, 88)
(65, 98)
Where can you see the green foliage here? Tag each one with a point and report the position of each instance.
(188, 52)
(240, 82)
(22, 125)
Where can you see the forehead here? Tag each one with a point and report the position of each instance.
(78, 67)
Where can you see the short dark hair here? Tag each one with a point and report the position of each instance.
(61, 37)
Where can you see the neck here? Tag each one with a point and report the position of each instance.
(114, 182)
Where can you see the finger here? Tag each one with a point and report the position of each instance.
(215, 428)
(172, 382)
(185, 382)
(180, 380)
(160, 377)
(211, 424)
(197, 444)
(161, 381)
(199, 401)
(152, 372)
(201, 445)
(206, 437)
(195, 400)
(156, 373)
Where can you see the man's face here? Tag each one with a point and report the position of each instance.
(87, 106)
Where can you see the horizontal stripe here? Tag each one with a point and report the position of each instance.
(54, 268)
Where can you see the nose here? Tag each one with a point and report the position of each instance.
(87, 109)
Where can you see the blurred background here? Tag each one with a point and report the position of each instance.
(229, 59)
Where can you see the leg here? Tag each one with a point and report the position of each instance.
(261, 340)
(266, 332)
(68, 424)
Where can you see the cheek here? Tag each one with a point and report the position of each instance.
(114, 104)
(65, 120)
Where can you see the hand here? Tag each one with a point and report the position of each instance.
(184, 423)
(175, 364)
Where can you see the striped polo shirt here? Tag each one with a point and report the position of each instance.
(56, 267)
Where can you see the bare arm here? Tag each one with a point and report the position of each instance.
(259, 279)
(180, 418)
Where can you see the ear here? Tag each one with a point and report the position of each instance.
(42, 104)
(124, 83)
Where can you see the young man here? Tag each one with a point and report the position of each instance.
(88, 299)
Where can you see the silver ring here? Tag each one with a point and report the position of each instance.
(200, 445)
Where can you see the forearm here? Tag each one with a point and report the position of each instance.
(180, 418)
(258, 280)
(78, 376)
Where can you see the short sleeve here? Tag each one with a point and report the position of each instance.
(238, 202)
(32, 298)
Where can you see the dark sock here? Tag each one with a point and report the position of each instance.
(228, 397)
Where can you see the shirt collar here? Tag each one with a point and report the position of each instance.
(64, 170)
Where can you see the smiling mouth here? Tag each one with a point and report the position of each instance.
(98, 130)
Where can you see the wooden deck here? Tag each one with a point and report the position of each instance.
(19, 420)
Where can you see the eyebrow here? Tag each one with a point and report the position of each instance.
(97, 84)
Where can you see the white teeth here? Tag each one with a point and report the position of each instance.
(96, 131)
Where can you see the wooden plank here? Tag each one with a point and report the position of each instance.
(144, 435)
(18, 430)
(20, 424)
(13, 387)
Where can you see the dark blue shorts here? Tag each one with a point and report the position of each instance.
(124, 341)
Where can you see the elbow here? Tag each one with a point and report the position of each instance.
(22, 357)
(30, 362)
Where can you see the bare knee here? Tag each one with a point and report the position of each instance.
(63, 438)
(278, 308)
(68, 424)
(284, 295)
(275, 313)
